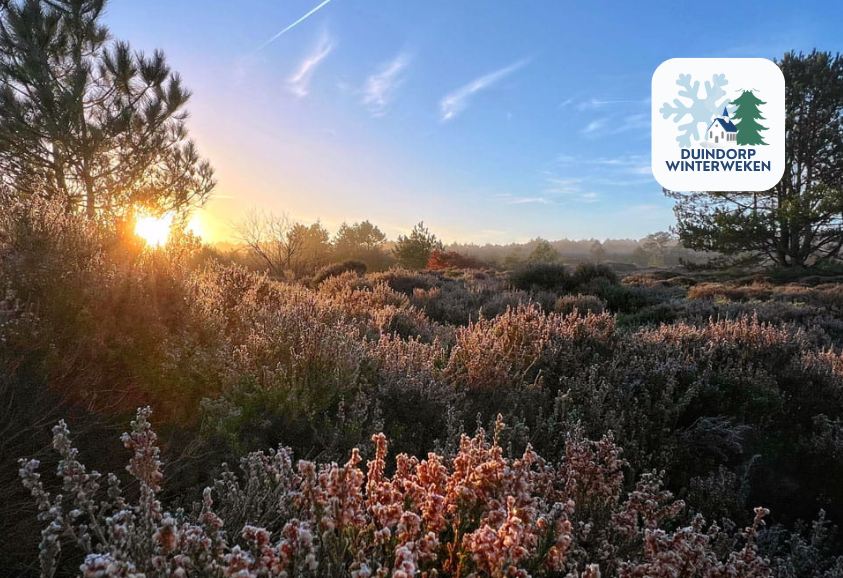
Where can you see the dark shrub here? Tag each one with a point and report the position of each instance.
(587, 272)
(440, 259)
(542, 276)
(406, 281)
(335, 269)
(545, 299)
(620, 298)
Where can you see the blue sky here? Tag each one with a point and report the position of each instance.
(492, 121)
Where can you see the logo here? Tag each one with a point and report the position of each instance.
(718, 124)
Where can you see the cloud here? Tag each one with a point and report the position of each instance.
(557, 192)
(612, 125)
(529, 200)
(598, 103)
(577, 178)
(455, 102)
(562, 186)
(381, 86)
(299, 82)
(291, 26)
(633, 122)
(595, 126)
(628, 163)
(641, 170)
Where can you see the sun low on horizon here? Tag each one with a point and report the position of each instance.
(154, 230)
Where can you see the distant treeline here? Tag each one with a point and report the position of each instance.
(285, 248)
(657, 249)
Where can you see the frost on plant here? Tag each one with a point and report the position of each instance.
(474, 513)
(701, 110)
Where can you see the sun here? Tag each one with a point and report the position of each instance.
(154, 230)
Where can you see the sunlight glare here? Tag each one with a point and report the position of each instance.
(154, 230)
(196, 225)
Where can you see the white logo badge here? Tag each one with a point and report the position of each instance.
(718, 124)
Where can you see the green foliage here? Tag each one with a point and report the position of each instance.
(86, 120)
(587, 272)
(413, 250)
(358, 237)
(313, 244)
(541, 276)
(656, 246)
(363, 242)
(597, 252)
(543, 253)
(799, 222)
(322, 368)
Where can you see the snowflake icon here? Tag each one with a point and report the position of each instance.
(701, 110)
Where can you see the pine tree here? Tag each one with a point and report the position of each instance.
(86, 119)
(799, 221)
(543, 253)
(749, 131)
(413, 250)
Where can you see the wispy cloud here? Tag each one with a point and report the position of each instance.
(457, 101)
(614, 125)
(624, 164)
(598, 103)
(299, 82)
(528, 200)
(554, 191)
(381, 86)
(291, 26)
(595, 126)
(633, 122)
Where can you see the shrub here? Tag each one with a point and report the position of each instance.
(358, 267)
(550, 277)
(476, 512)
(506, 351)
(730, 292)
(587, 272)
(620, 298)
(406, 281)
(440, 259)
(582, 303)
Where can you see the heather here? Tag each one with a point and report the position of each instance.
(635, 422)
(307, 399)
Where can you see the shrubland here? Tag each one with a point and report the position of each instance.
(660, 424)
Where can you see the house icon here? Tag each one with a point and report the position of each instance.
(722, 132)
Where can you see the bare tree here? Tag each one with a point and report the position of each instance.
(271, 239)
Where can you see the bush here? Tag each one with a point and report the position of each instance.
(92, 325)
(351, 265)
(586, 272)
(476, 512)
(539, 276)
(440, 259)
(582, 303)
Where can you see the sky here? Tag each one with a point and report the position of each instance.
(493, 121)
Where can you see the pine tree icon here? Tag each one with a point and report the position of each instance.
(747, 115)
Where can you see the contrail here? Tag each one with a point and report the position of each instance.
(290, 27)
